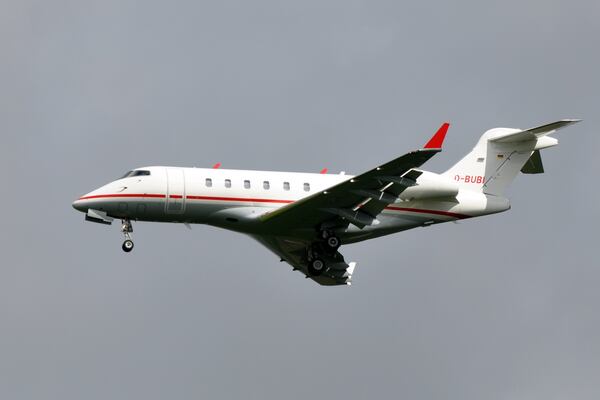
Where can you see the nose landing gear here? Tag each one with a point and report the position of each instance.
(127, 245)
(127, 228)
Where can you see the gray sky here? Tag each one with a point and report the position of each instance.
(502, 307)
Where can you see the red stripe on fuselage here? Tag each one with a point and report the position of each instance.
(259, 200)
(106, 196)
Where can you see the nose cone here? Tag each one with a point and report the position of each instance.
(93, 199)
(79, 206)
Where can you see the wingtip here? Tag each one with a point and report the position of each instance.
(437, 140)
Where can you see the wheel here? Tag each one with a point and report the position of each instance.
(333, 242)
(316, 267)
(127, 246)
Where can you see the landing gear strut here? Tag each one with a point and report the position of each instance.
(127, 228)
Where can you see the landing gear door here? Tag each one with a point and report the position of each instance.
(175, 191)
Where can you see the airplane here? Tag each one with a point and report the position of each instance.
(304, 218)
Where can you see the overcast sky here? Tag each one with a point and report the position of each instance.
(502, 307)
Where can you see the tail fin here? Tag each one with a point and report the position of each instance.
(500, 154)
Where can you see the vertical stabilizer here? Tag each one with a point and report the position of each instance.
(500, 154)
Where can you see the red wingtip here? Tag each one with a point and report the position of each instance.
(438, 139)
(217, 165)
(323, 171)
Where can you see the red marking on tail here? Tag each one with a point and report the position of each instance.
(437, 140)
(217, 165)
(323, 171)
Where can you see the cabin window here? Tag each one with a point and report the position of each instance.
(286, 186)
(306, 187)
(266, 185)
(246, 184)
(208, 182)
(227, 183)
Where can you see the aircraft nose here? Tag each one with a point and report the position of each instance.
(92, 199)
(79, 206)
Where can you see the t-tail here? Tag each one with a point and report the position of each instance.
(501, 153)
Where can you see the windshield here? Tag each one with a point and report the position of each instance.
(135, 173)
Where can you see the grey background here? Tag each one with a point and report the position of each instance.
(503, 307)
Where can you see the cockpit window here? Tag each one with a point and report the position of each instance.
(135, 172)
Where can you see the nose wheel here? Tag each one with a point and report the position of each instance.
(127, 245)
(127, 228)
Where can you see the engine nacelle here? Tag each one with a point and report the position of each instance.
(430, 185)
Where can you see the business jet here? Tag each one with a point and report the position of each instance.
(304, 218)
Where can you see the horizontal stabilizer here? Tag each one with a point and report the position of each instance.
(533, 133)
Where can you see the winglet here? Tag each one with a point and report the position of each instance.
(437, 140)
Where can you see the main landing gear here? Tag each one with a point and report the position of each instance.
(320, 251)
(127, 228)
(332, 242)
(316, 265)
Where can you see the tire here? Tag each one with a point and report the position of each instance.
(127, 246)
(333, 242)
(316, 267)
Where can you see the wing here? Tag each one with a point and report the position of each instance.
(294, 252)
(357, 200)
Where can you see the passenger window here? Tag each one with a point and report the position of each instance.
(208, 182)
(266, 185)
(306, 186)
(286, 186)
(227, 183)
(246, 184)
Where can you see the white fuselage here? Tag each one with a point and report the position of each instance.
(236, 199)
(305, 218)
